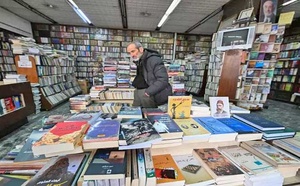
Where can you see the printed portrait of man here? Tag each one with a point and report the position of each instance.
(268, 10)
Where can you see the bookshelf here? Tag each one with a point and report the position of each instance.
(14, 119)
(286, 74)
(55, 76)
(259, 69)
(7, 63)
(90, 43)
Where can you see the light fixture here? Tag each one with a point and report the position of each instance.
(288, 2)
(168, 12)
(79, 12)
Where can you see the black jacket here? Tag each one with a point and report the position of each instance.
(156, 76)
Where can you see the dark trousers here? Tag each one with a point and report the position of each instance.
(140, 99)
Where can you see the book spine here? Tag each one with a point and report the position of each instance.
(141, 167)
(150, 173)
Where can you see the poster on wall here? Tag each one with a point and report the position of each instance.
(268, 11)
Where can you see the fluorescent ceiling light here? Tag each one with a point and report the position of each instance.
(79, 11)
(288, 2)
(168, 12)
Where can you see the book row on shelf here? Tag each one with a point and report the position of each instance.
(141, 146)
(262, 72)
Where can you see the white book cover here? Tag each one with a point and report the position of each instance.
(192, 170)
(247, 161)
(219, 107)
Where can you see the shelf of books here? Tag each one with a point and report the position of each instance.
(53, 72)
(87, 43)
(286, 75)
(7, 63)
(260, 67)
(214, 71)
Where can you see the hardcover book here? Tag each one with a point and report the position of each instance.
(179, 106)
(166, 170)
(107, 164)
(165, 126)
(58, 171)
(258, 122)
(193, 172)
(138, 133)
(247, 161)
(62, 137)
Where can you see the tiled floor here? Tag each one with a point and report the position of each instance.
(283, 113)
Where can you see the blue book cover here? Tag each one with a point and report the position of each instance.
(164, 124)
(258, 122)
(26, 153)
(213, 125)
(106, 164)
(238, 126)
(105, 130)
(130, 112)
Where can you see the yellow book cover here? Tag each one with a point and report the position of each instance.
(190, 127)
(166, 170)
(179, 107)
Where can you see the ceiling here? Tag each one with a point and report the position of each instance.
(107, 14)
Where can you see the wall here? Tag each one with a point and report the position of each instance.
(14, 23)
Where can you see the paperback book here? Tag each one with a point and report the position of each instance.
(179, 106)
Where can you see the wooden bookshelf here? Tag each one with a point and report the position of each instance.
(55, 76)
(13, 120)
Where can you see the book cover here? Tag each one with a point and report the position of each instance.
(26, 153)
(165, 126)
(88, 117)
(17, 101)
(213, 125)
(179, 106)
(217, 163)
(8, 180)
(138, 132)
(258, 122)
(192, 170)
(238, 126)
(152, 111)
(130, 112)
(219, 107)
(253, 55)
(58, 171)
(106, 164)
(166, 170)
(62, 137)
(261, 56)
(270, 153)
(53, 119)
(105, 130)
(141, 166)
(277, 133)
(192, 129)
(247, 161)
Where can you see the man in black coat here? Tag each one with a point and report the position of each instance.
(151, 81)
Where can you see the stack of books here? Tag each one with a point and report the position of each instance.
(14, 78)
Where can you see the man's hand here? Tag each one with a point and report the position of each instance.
(147, 94)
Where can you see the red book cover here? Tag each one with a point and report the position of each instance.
(9, 104)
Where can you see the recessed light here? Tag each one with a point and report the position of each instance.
(145, 14)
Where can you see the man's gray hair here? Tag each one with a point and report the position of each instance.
(137, 44)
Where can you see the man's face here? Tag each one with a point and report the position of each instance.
(268, 8)
(219, 106)
(134, 52)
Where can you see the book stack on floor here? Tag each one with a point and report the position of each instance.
(36, 97)
(79, 103)
(95, 91)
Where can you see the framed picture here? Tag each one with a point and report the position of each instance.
(245, 14)
(219, 107)
(227, 22)
(268, 11)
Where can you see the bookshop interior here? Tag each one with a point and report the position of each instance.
(146, 93)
